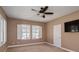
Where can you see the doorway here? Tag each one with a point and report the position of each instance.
(57, 35)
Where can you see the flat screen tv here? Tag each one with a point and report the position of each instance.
(71, 26)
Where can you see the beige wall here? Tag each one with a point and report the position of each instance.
(69, 40)
(12, 31)
(3, 48)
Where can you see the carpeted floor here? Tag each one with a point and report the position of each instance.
(35, 48)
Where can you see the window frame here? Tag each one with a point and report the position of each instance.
(40, 34)
(3, 30)
(30, 32)
(20, 38)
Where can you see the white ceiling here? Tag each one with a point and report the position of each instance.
(25, 12)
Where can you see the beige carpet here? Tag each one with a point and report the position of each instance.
(35, 48)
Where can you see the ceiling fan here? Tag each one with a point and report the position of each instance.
(43, 11)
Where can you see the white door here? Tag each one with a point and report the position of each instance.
(57, 35)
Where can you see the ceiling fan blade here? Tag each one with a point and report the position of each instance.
(48, 13)
(34, 10)
(43, 9)
(46, 7)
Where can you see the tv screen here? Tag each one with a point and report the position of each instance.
(72, 26)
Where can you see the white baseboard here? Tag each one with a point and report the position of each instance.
(67, 49)
(61, 47)
(25, 44)
(49, 43)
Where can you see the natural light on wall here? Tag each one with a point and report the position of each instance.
(27, 32)
(3, 30)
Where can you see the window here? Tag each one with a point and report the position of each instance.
(26, 32)
(36, 32)
(23, 31)
(2, 31)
